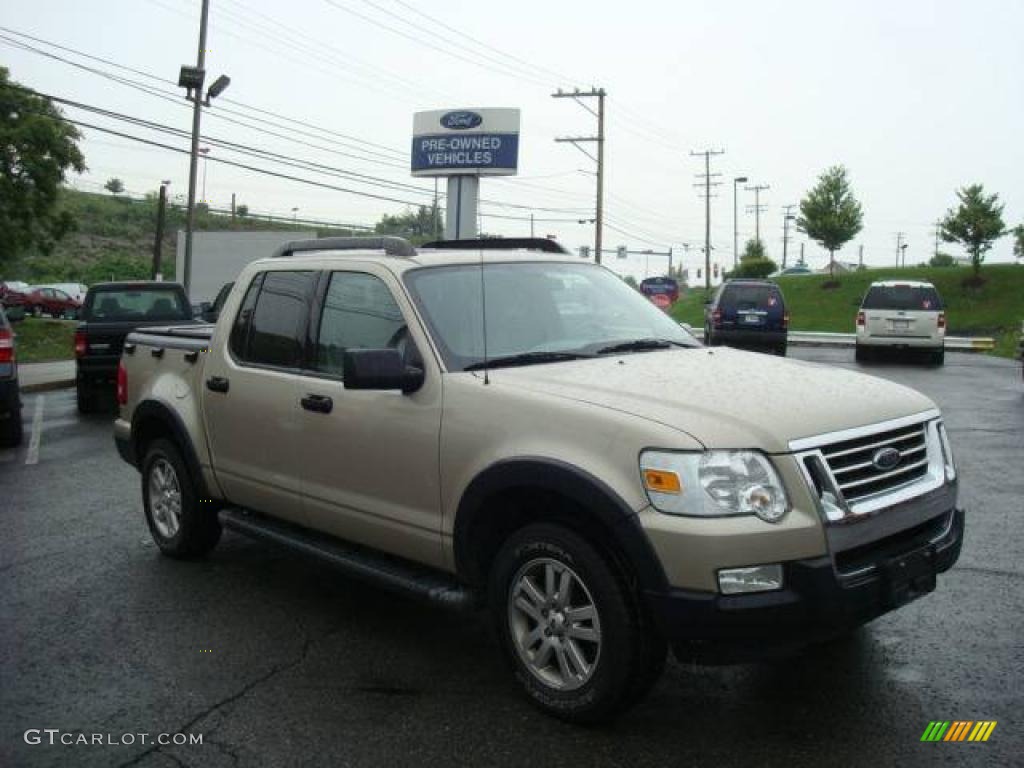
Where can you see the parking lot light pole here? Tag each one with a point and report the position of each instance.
(192, 80)
(735, 226)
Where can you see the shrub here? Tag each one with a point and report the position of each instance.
(754, 268)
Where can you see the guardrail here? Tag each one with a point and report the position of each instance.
(825, 339)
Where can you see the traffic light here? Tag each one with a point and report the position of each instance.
(584, 251)
(620, 252)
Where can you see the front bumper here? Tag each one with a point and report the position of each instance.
(820, 599)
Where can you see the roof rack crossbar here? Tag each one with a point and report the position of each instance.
(392, 246)
(500, 243)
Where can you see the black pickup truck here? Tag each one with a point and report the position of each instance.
(109, 313)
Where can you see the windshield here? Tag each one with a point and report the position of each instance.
(137, 304)
(902, 297)
(534, 307)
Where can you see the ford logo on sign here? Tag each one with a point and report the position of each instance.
(886, 459)
(461, 121)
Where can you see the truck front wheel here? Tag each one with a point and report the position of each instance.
(570, 627)
(179, 524)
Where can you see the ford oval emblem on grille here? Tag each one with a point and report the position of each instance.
(886, 459)
(461, 121)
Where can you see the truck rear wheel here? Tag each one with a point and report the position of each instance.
(85, 397)
(570, 627)
(178, 523)
(11, 430)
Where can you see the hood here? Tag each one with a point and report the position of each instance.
(722, 397)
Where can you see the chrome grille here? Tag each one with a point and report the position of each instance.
(857, 475)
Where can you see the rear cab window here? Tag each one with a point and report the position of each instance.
(270, 329)
(121, 303)
(903, 297)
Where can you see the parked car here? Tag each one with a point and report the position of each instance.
(576, 464)
(10, 398)
(76, 291)
(747, 313)
(799, 269)
(903, 315)
(111, 311)
(51, 301)
(15, 287)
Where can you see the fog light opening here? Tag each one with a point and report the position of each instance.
(757, 578)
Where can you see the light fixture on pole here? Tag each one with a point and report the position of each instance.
(191, 79)
(735, 227)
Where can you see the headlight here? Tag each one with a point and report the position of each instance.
(713, 484)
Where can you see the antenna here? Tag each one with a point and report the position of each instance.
(483, 313)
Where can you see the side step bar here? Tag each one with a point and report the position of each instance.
(388, 572)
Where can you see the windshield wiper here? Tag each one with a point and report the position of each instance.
(525, 358)
(640, 345)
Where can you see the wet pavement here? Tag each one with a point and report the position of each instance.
(277, 660)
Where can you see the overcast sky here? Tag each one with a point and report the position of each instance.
(916, 98)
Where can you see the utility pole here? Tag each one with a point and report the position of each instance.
(599, 94)
(786, 218)
(899, 246)
(197, 111)
(707, 184)
(159, 243)
(735, 225)
(531, 225)
(938, 233)
(232, 209)
(860, 256)
(757, 208)
(802, 255)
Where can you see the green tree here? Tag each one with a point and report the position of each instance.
(37, 147)
(631, 282)
(1018, 241)
(941, 260)
(754, 249)
(242, 211)
(114, 186)
(830, 214)
(975, 223)
(417, 225)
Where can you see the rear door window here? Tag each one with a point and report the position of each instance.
(277, 332)
(118, 304)
(903, 297)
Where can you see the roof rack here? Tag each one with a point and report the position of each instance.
(392, 246)
(500, 244)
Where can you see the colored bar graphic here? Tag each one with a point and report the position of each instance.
(958, 730)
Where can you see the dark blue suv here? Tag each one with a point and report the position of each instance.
(747, 313)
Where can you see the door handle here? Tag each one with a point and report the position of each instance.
(217, 384)
(317, 403)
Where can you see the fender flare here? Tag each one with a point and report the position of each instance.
(155, 410)
(592, 494)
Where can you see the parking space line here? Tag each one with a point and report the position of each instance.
(37, 432)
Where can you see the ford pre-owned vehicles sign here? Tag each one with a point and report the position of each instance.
(449, 142)
(461, 121)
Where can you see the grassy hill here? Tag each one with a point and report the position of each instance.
(114, 239)
(996, 309)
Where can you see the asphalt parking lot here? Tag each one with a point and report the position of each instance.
(278, 661)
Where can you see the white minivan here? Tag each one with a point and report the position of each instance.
(903, 314)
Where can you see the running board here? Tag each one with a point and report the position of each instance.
(383, 570)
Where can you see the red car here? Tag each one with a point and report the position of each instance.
(50, 301)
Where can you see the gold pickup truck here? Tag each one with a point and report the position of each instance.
(496, 425)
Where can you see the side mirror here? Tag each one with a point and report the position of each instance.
(379, 369)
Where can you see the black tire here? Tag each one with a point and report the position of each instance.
(11, 430)
(85, 397)
(781, 350)
(198, 529)
(630, 655)
(939, 357)
(861, 354)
